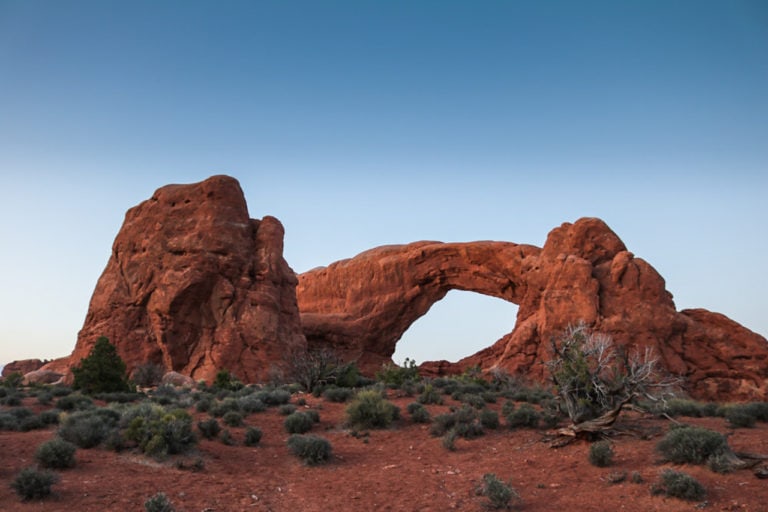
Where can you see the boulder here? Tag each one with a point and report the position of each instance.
(178, 380)
(195, 285)
(584, 273)
(42, 377)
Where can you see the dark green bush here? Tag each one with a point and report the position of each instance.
(298, 423)
(338, 395)
(209, 428)
(32, 483)
(449, 440)
(226, 381)
(56, 454)
(740, 416)
(50, 416)
(120, 397)
(463, 421)
(287, 409)
(309, 448)
(74, 402)
(221, 408)
(601, 454)
(158, 503)
(252, 436)
(233, 419)
(369, 409)
(251, 404)
(226, 438)
(419, 413)
(489, 419)
(691, 445)
(45, 398)
(395, 376)
(102, 371)
(524, 416)
(87, 429)
(680, 485)
(500, 495)
(31, 423)
(274, 397)
(8, 421)
(159, 433)
(430, 395)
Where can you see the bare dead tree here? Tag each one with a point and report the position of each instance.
(595, 379)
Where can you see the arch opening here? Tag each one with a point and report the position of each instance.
(459, 325)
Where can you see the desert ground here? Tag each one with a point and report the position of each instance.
(399, 468)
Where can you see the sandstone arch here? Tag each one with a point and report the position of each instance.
(363, 305)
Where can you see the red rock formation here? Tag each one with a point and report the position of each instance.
(363, 305)
(197, 286)
(22, 367)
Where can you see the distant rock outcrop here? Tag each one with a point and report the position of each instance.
(362, 306)
(195, 285)
(22, 366)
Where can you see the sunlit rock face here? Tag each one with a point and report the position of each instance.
(195, 285)
(584, 273)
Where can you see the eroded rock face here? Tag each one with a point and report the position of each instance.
(363, 305)
(195, 285)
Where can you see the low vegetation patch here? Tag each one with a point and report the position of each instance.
(311, 449)
(370, 409)
(500, 495)
(56, 454)
(692, 445)
(679, 485)
(34, 484)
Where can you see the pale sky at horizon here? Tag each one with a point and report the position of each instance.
(359, 124)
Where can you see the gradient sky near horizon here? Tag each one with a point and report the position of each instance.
(362, 123)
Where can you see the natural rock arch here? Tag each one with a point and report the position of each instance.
(584, 273)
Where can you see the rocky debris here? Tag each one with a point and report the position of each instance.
(22, 367)
(196, 286)
(42, 377)
(584, 273)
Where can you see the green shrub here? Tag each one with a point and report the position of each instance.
(102, 371)
(87, 429)
(309, 448)
(680, 485)
(449, 440)
(740, 416)
(45, 398)
(159, 433)
(601, 454)
(209, 428)
(338, 395)
(463, 421)
(691, 445)
(489, 419)
(430, 395)
(56, 454)
(8, 421)
(31, 423)
(395, 376)
(223, 407)
(251, 404)
(50, 416)
(233, 419)
(165, 395)
(74, 402)
(369, 409)
(287, 409)
(419, 413)
(472, 400)
(507, 408)
(524, 416)
(274, 397)
(158, 503)
(32, 484)
(252, 436)
(298, 423)
(226, 381)
(226, 438)
(12, 380)
(500, 495)
(683, 407)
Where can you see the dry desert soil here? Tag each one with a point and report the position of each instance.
(401, 468)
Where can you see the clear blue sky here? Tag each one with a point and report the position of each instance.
(362, 123)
